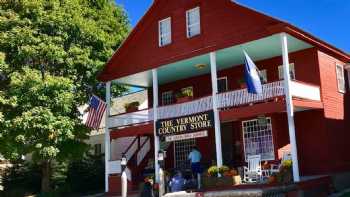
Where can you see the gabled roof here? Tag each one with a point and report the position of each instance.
(223, 24)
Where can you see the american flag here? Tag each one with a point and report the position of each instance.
(96, 110)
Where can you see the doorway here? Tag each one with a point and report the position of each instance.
(181, 151)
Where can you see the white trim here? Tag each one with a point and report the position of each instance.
(226, 82)
(188, 26)
(272, 139)
(172, 97)
(155, 118)
(290, 107)
(107, 136)
(342, 78)
(214, 84)
(291, 70)
(160, 35)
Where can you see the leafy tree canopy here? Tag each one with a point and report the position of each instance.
(70, 38)
(50, 53)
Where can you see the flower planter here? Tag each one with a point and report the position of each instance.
(183, 99)
(243, 85)
(237, 180)
(212, 182)
(131, 109)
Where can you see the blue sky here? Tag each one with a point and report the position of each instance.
(328, 20)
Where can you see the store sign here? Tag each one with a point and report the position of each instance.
(172, 138)
(186, 124)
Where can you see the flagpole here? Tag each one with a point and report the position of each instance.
(107, 137)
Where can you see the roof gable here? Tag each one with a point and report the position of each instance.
(223, 23)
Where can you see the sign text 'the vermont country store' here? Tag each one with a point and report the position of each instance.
(185, 124)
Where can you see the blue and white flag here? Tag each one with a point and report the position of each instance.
(251, 76)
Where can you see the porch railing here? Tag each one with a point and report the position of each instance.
(228, 99)
(243, 97)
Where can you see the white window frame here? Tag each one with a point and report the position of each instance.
(291, 71)
(165, 97)
(263, 75)
(258, 133)
(162, 35)
(182, 149)
(223, 78)
(340, 78)
(189, 26)
(348, 71)
(97, 149)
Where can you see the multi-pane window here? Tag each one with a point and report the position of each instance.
(257, 138)
(263, 76)
(182, 150)
(165, 32)
(167, 98)
(222, 84)
(291, 72)
(340, 78)
(97, 149)
(193, 26)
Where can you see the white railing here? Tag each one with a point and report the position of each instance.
(305, 91)
(131, 150)
(131, 118)
(143, 151)
(225, 100)
(243, 97)
(183, 109)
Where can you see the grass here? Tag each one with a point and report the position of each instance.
(346, 195)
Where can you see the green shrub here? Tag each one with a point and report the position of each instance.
(21, 179)
(86, 176)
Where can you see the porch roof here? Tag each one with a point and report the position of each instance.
(260, 49)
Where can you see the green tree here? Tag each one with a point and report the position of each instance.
(40, 121)
(50, 53)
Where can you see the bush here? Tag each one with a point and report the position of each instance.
(22, 179)
(86, 176)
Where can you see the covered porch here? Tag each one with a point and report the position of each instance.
(233, 103)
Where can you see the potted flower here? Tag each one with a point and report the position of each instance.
(212, 178)
(242, 84)
(184, 96)
(132, 107)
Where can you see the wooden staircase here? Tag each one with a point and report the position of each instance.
(138, 152)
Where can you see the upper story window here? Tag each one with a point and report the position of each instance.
(193, 24)
(291, 72)
(165, 32)
(98, 149)
(167, 98)
(340, 78)
(263, 76)
(222, 84)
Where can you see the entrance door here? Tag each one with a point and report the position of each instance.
(181, 151)
(227, 143)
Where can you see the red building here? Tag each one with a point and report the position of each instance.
(189, 55)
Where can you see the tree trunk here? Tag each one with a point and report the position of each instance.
(45, 176)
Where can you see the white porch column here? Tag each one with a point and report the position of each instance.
(214, 85)
(107, 137)
(290, 108)
(155, 118)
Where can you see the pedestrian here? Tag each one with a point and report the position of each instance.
(195, 159)
(177, 183)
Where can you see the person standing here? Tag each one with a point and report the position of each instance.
(177, 183)
(195, 159)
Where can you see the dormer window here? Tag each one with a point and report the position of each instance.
(193, 24)
(165, 32)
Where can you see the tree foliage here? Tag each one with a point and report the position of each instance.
(50, 54)
(70, 38)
